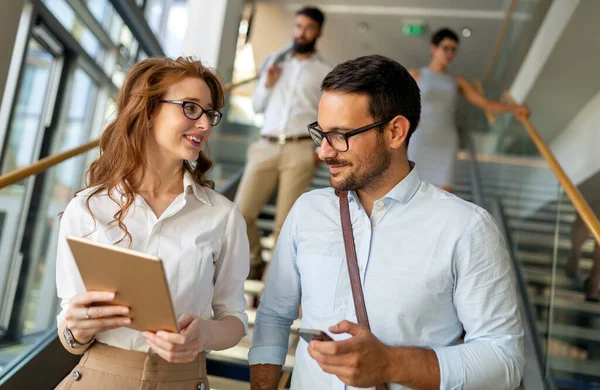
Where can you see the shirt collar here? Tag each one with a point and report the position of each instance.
(314, 57)
(406, 189)
(198, 190)
(403, 191)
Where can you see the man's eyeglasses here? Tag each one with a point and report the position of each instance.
(336, 139)
(194, 111)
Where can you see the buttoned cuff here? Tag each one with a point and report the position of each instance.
(241, 315)
(452, 369)
(267, 354)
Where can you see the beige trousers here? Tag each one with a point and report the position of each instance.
(106, 367)
(289, 168)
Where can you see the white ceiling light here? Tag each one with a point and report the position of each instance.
(466, 32)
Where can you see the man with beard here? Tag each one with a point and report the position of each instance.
(429, 265)
(287, 93)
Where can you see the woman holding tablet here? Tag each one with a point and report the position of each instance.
(147, 192)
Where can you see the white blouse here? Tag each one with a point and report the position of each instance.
(201, 239)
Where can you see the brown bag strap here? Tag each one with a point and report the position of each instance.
(357, 291)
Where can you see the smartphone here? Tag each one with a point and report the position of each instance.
(313, 334)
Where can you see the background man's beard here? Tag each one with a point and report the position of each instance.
(302, 48)
(378, 164)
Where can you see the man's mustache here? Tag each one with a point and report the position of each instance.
(336, 161)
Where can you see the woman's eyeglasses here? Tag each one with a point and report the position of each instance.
(194, 111)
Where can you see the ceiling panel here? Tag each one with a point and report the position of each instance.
(491, 5)
(342, 38)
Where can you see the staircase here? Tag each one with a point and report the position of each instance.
(539, 218)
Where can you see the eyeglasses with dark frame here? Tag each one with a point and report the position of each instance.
(337, 139)
(194, 111)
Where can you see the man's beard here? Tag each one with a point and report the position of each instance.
(302, 48)
(378, 163)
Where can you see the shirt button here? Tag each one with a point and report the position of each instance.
(76, 376)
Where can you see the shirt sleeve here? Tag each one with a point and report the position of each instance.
(68, 279)
(280, 301)
(232, 270)
(486, 303)
(261, 95)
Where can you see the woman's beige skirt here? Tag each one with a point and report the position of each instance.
(105, 367)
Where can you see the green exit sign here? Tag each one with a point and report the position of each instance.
(415, 30)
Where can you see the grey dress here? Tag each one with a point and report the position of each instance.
(433, 146)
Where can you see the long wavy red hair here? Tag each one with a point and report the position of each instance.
(123, 160)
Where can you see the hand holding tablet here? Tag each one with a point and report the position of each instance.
(138, 280)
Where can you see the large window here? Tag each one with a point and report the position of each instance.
(168, 20)
(65, 95)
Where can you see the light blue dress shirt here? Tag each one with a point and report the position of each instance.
(431, 264)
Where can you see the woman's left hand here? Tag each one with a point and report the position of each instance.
(522, 111)
(180, 347)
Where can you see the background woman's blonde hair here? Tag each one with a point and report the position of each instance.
(123, 160)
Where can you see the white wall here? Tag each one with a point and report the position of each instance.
(576, 148)
(554, 23)
(211, 33)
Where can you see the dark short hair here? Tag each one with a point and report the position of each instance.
(442, 34)
(313, 13)
(391, 89)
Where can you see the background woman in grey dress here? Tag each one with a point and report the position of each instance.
(434, 144)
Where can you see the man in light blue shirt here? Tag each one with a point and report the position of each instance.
(431, 264)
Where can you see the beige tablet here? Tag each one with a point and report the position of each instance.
(137, 278)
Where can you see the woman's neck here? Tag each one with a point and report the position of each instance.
(164, 179)
(437, 67)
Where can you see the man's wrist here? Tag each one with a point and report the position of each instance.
(394, 357)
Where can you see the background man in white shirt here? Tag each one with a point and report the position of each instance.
(288, 94)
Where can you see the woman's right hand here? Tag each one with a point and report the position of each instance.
(89, 314)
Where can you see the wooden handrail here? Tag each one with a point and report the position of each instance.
(581, 205)
(45, 163)
(50, 161)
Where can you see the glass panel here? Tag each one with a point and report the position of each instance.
(41, 305)
(67, 17)
(572, 328)
(545, 235)
(60, 185)
(25, 131)
(29, 112)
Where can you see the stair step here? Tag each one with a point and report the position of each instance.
(545, 259)
(538, 226)
(568, 302)
(546, 240)
(570, 331)
(586, 367)
(537, 276)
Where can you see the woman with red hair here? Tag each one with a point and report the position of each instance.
(147, 191)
